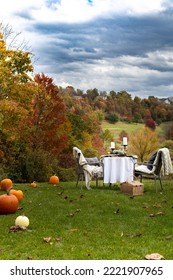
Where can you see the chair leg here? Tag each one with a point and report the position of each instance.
(96, 181)
(155, 180)
(80, 177)
(155, 183)
(77, 180)
(161, 186)
(140, 178)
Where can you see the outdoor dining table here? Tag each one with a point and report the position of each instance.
(118, 169)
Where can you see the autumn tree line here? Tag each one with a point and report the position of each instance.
(41, 122)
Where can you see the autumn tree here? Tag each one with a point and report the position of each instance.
(85, 122)
(15, 68)
(15, 99)
(50, 126)
(107, 135)
(137, 110)
(143, 143)
(149, 122)
(92, 94)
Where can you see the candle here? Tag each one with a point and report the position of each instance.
(112, 145)
(124, 141)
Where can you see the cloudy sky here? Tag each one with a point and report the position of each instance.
(104, 44)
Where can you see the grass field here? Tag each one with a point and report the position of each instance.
(116, 128)
(71, 223)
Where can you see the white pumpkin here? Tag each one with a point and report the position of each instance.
(22, 221)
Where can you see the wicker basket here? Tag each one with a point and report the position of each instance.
(133, 188)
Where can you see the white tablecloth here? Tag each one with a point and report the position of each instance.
(118, 169)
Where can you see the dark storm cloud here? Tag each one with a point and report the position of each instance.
(123, 41)
(134, 36)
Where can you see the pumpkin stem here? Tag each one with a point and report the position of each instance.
(8, 190)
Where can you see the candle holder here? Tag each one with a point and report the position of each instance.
(125, 148)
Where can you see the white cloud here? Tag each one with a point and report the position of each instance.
(73, 11)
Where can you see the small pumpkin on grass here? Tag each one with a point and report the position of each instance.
(33, 184)
(22, 221)
(6, 184)
(17, 193)
(8, 203)
(54, 180)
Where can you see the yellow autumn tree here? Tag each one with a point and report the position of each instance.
(143, 143)
(16, 87)
(15, 68)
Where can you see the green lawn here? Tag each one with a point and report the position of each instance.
(120, 126)
(130, 127)
(89, 225)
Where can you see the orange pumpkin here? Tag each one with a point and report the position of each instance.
(54, 180)
(8, 203)
(17, 193)
(33, 184)
(6, 184)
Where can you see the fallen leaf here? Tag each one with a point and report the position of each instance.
(60, 193)
(73, 229)
(134, 235)
(168, 237)
(74, 213)
(160, 213)
(154, 256)
(117, 211)
(70, 215)
(145, 206)
(47, 239)
(17, 228)
(152, 215)
(58, 239)
(157, 206)
(156, 214)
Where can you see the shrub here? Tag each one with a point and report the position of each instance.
(168, 144)
(66, 174)
(39, 165)
(112, 118)
(90, 152)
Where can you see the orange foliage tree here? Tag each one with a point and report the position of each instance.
(49, 125)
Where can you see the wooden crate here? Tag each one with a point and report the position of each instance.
(133, 188)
